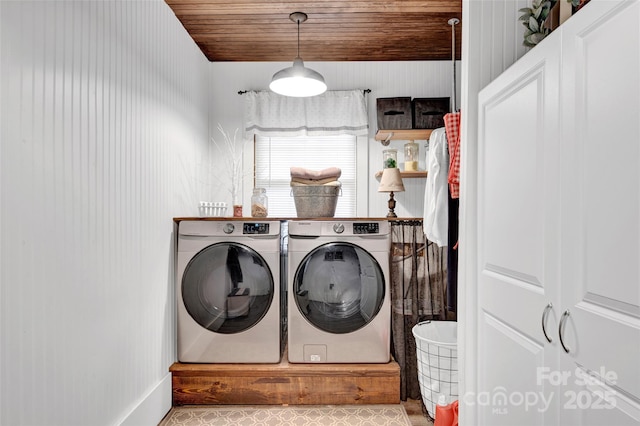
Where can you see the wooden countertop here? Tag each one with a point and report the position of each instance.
(281, 219)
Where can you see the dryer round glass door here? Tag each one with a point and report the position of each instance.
(339, 287)
(227, 288)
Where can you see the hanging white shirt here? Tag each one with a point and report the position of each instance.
(436, 210)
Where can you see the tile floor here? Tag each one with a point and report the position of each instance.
(413, 407)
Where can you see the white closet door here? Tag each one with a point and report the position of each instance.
(518, 227)
(601, 214)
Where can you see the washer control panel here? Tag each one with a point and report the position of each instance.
(255, 228)
(366, 228)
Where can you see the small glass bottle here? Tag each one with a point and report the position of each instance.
(390, 158)
(259, 203)
(237, 207)
(411, 156)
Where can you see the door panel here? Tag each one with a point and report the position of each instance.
(601, 225)
(513, 196)
(505, 399)
(518, 222)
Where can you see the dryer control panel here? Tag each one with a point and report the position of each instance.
(366, 228)
(255, 228)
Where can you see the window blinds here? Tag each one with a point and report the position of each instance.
(274, 156)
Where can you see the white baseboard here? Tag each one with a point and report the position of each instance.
(153, 407)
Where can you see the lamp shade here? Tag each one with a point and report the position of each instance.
(391, 180)
(298, 81)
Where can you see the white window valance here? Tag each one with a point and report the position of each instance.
(336, 112)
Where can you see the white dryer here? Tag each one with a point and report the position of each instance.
(228, 291)
(339, 303)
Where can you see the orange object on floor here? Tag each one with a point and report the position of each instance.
(447, 415)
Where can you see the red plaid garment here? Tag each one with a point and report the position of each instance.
(452, 127)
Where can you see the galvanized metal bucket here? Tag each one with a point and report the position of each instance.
(316, 200)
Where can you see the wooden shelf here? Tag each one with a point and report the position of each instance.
(407, 175)
(404, 134)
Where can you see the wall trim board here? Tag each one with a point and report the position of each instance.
(152, 407)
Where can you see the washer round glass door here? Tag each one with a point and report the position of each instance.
(227, 288)
(339, 287)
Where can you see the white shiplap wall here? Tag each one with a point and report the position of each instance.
(491, 43)
(416, 79)
(104, 117)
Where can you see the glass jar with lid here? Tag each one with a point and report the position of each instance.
(259, 203)
(390, 158)
(411, 156)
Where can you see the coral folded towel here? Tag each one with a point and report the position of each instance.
(302, 173)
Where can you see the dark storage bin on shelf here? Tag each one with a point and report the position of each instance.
(428, 113)
(394, 113)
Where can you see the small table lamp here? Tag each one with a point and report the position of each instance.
(391, 181)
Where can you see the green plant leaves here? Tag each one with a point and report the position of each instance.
(533, 39)
(533, 19)
(526, 14)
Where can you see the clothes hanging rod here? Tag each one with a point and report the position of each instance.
(242, 92)
(453, 22)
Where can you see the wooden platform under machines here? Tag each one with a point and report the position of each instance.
(285, 383)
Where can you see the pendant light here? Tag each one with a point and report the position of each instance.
(297, 80)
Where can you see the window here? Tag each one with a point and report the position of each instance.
(274, 156)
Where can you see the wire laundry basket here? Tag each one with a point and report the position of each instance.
(437, 357)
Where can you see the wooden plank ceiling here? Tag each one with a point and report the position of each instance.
(260, 30)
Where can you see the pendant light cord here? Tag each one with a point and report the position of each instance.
(298, 55)
(298, 17)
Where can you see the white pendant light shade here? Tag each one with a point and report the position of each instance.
(297, 80)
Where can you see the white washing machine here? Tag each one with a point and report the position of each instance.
(228, 291)
(339, 303)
